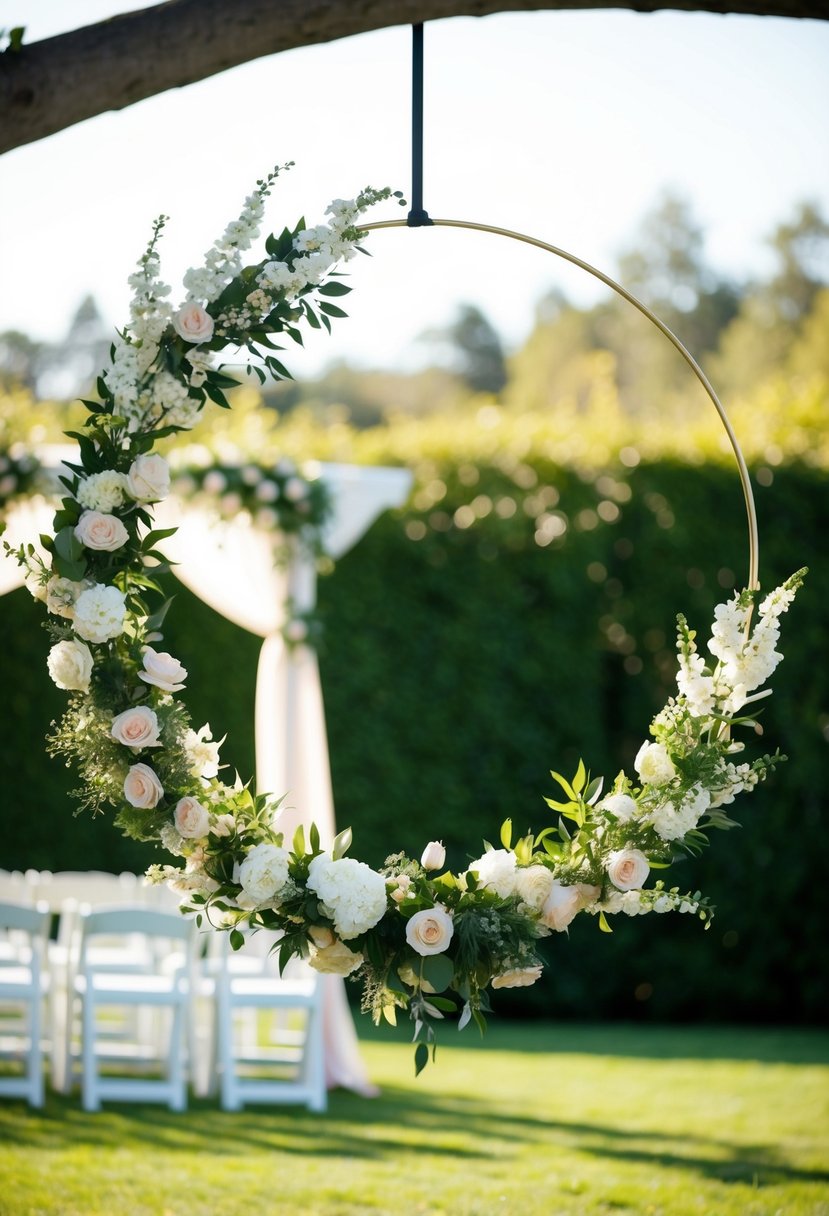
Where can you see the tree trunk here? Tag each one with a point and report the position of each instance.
(50, 85)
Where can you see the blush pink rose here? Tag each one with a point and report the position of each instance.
(98, 531)
(162, 670)
(136, 728)
(142, 787)
(193, 323)
(191, 819)
(627, 869)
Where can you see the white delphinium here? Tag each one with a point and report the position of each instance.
(733, 779)
(695, 685)
(223, 261)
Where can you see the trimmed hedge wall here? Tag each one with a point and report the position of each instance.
(463, 660)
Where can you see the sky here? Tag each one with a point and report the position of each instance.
(564, 125)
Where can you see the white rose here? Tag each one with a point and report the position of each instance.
(534, 885)
(351, 893)
(434, 855)
(191, 819)
(142, 787)
(264, 872)
(193, 323)
(430, 931)
(621, 806)
(653, 764)
(627, 869)
(70, 665)
(101, 532)
(136, 728)
(519, 977)
(148, 479)
(99, 613)
(496, 870)
(336, 959)
(161, 669)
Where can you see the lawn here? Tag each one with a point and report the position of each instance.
(540, 1120)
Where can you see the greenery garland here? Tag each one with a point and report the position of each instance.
(420, 938)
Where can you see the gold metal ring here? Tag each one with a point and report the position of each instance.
(745, 481)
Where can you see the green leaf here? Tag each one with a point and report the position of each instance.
(69, 569)
(342, 843)
(67, 545)
(390, 1014)
(580, 778)
(603, 925)
(438, 970)
(331, 310)
(237, 939)
(314, 837)
(565, 785)
(442, 1002)
(299, 841)
(421, 1058)
(152, 538)
(506, 833)
(333, 289)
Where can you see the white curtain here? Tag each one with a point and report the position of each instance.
(231, 567)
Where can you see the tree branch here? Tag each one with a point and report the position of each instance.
(53, 84)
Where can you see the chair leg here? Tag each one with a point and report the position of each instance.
(90, 1098)
(175, 1061)
(35, 1061)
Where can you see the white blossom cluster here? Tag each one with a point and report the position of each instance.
(223, 260)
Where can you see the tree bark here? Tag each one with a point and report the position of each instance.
(50, 85)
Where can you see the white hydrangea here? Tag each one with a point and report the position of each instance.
(496, 870)
(100, 613)
(102, 491)
(673, 820)
(351, 893)
(621, 806)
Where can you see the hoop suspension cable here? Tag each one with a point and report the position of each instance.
(417, 217)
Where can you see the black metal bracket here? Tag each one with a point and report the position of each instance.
(417, 217)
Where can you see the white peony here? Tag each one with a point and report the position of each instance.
(191, 819)
(430, 931)
(496, 870)
(100, 613)
(101, 491)
(136, 728)
(654, 765)
(351, 893)
(104, 533)
(142, 787)
(148, 479)
(264, 872)
(533, 885)
(621, 806)
(627, 869)
(162, 670)
(70, 665)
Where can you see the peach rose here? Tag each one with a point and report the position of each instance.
(142, 787)
(193, 323)
(519, 977)
(627, 869)
(191, 819)
(104, 532)
(136, 728)
(564, 903)
(430, 931)
(336, 959)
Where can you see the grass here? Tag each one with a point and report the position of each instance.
(540, 1120)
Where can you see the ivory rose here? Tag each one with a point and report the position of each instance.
(336, 959)
(101, 532)
(142, 787)
(148, 479)
(191, 819)
(518, 977)
(430, 931)
(627, 869)
(564, 903)
(434, 855)
(70, 665)
(136, 728)
(162, 670)
(193, 323)
(653, 764)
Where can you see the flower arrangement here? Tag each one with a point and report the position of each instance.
(420, 937)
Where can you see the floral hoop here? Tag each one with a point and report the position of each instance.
(420, 938)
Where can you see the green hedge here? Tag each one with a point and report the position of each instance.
(461, 663)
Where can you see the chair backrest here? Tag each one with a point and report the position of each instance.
(135, 922)
(28, 919)
(16, 888)
(24, 931)
(86, 886)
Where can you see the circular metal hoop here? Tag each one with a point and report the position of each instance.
(745, 481)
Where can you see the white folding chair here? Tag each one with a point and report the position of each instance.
(103, 991)
(24, 983)
(286, 1063)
